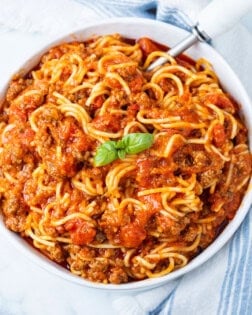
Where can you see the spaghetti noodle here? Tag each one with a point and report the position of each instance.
(141, 216)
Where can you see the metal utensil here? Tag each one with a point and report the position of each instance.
(215, 19)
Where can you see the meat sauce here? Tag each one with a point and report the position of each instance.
(135, 229)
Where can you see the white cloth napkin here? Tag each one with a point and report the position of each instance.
(222, 285)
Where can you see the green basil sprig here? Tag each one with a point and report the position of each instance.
(105, 154)
(132, 143)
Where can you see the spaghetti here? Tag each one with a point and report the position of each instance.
(141, 216)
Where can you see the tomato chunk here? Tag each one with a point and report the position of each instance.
(82, 233)
(148, 46)
(106, 122)
(221, 101)
(132, 235)
(219, 136)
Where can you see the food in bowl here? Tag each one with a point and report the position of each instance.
(117, 173)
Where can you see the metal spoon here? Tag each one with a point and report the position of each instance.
(215, 19)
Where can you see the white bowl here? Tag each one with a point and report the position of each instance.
(170, 35)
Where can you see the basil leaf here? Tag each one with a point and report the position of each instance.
(120, 144)
(121, 154)
(130, 144)
(137, 142)
(105, 154)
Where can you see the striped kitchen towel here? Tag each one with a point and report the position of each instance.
(223, 285)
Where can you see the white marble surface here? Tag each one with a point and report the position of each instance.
(26, 289)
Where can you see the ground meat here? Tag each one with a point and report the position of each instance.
(193, 158)
(16, 87)
(33, 195)
(153, 172)
(15, 223)
(169, 227)
(209, 177)
(190, 234)
(15, 210)
(98, 270)
(201, 159)
(62, 167)
(49, 116)
(206, 239)
(108, 123)
(242, 167)
(110, 224)
(142, 99)
(11, 155)
(49, 184)
(57, 253)
(118, 275)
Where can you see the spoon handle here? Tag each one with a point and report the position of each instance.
(215, 19)
(220, 15)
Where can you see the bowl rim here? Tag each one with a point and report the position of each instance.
(35, 256)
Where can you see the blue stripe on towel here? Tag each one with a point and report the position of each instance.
(139, 8)
(171, 302)
(224, 299)
(238, 292)
(238, 265)
(238, 275)
(246, 280)
(167, 302)
(127, 3)
(173, 16)
(136, 4)
(98, 8)
(122, 8)
(234, 271)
